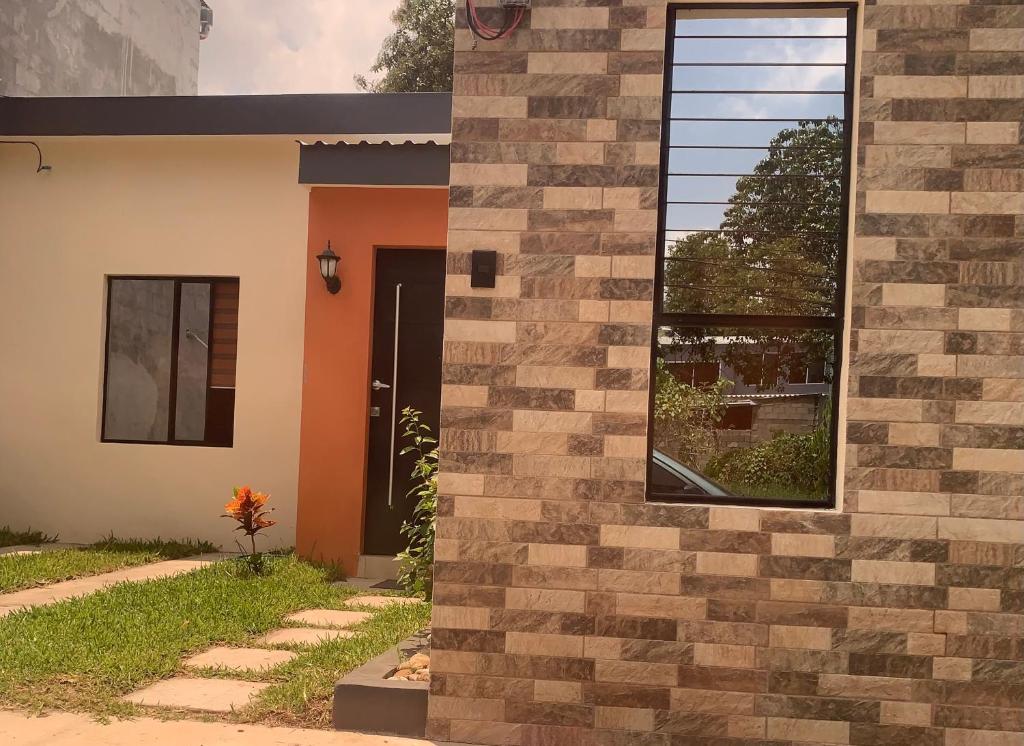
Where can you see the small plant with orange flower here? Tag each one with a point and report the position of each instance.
(249, 509)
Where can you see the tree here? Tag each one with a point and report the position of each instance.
(686, 417)
(776, 253)
(419, 55)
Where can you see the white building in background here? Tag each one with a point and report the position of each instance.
(101, 47)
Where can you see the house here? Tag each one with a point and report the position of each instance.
(167, 333)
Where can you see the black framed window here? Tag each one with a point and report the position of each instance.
(752, 253)
(170, 360)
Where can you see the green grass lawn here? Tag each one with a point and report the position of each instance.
(20, 571)
(11, 538)
(84, 654)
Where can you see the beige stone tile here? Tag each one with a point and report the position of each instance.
(990, 412)
(734, 519)
(551, 422)
(816, 731)
(894, 526)
(981, 529)
(602, 130)
(987, 203)
(540, 599)
(630, 311)
(906, 713)
(988, 459)
(951, 622)
(467, 240)
(866, 687)
(644, 537)
(872, 247)
(997, 40)
(974, 737)
(744, 727)
(550, 443)
(910, 434)
(896, 573)
(640, 85)
(919, 133)
(884, 410)
(239, 659)
(327, 617)
(463, 396)
(489, 174)
(629, 357)
(572, 198)
(908, 294)
(804, 591)
(951, 669)
(659, 606)
(804, 545)
(590, 401)
(985, 319)
(460, 484)
(567, 63)
(936, 365)
(579, 153)
(303, 636)
(593, 266)
(636, 267)
(908, 156)
(723, 702)
(493, 218)
(472, 330)
(465, 708)
(608, 648)
(206, 695)
(642, 40)
(557, 691)
(460, 617)
(624, 718)
(562, 17)
(529, 643)
(510, 107)
(726, 563)
(636, 221)
(1005, 390)
(920, 86)
(557, 555)
(535, 465)
(905, 503)
(622, 198)
(974, 599)
(904, 340)
(627, 401)
(993, 133)
(996, 86)
(594, 310)
(501, 508)
(888, 201)
(808, 638)
(625, 446)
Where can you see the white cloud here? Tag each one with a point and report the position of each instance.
(291, 46)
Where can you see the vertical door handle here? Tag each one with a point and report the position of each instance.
(394, 394)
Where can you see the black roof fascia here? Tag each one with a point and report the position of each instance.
(365, 164)
(286, 114)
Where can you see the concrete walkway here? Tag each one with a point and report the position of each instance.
(67, 729)
(48, 594)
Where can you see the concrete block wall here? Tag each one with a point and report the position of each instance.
(569, 611)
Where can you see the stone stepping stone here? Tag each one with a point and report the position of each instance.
(239, 659)
(377, 602)
(303, 636)
(207, 695)
(327, 617)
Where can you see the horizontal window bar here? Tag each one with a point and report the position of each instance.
(761, 36)
(800, 234)
(758, 64)
(757, 119)
(667, 318)
(757, 147)
(763, 204)
(766, 176)
(758, 92)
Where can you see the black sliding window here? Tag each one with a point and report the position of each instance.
(170, 360)
(752, 253)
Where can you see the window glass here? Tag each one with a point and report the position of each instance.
(752, 254)
(162, 334)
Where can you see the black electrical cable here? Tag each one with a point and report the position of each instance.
(40, 166)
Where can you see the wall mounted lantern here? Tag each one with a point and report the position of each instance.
(329, 269)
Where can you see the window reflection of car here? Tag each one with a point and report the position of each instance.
(669, 478)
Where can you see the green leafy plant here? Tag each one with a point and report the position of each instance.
(247, 507)
(685, 417)
(787, 466)
(417, 561)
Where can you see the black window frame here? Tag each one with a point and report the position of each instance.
(835, 323)
(178, 281)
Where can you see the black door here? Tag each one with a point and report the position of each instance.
(409, 282)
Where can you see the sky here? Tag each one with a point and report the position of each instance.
(291, 46)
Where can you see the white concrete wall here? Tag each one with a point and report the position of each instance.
(149, 206)
(99, 47)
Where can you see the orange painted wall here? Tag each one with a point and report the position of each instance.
(335, 390)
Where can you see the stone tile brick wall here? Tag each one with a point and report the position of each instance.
(568, 611)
